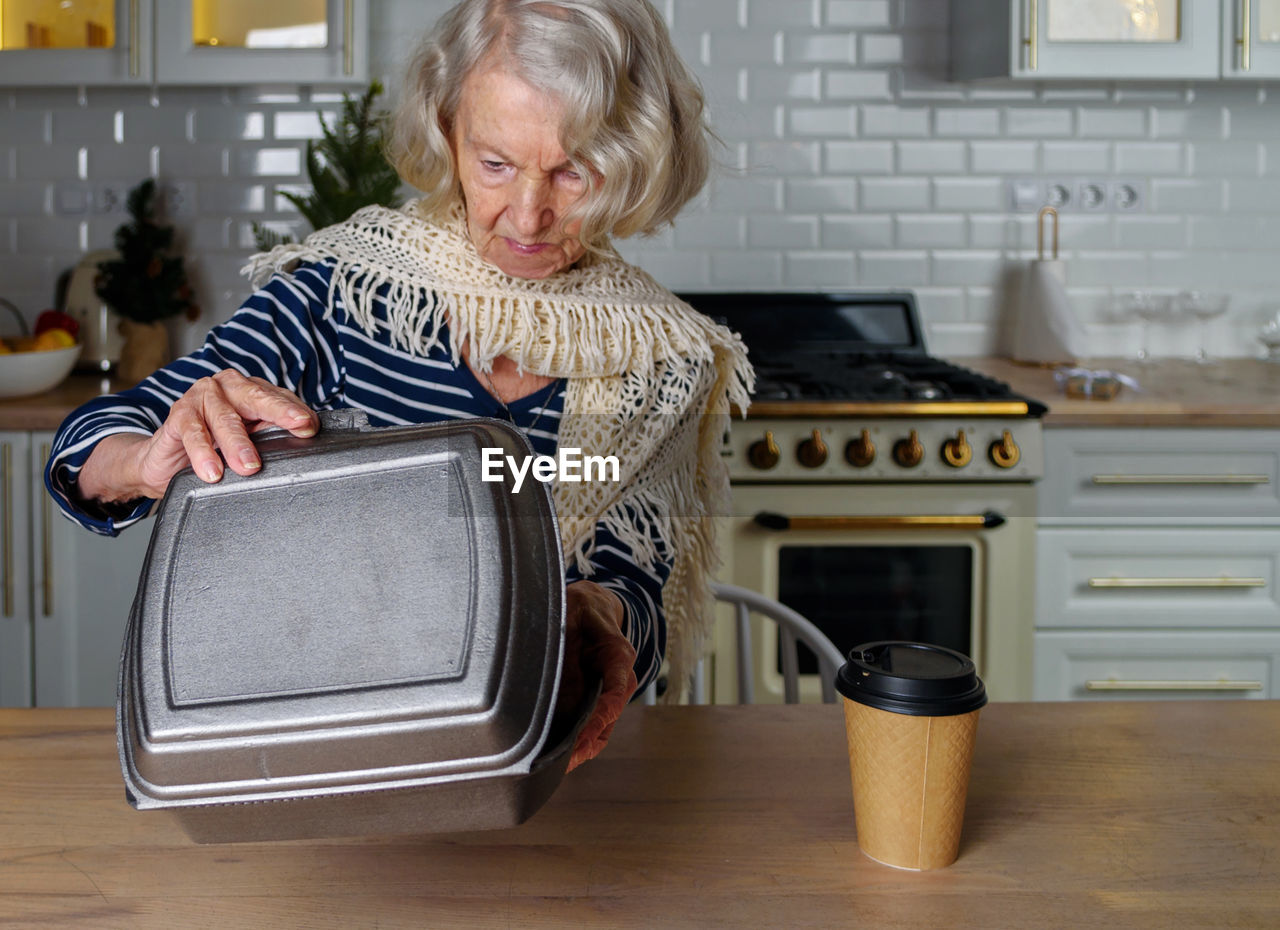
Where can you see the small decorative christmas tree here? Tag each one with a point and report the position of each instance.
(146, 283)
(347, 168)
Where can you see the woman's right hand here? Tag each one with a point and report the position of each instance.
(216, 413)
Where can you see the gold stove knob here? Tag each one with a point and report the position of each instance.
(812, 452)
(1004, 452)
(860, 452)
(908, 452)
(764, 453)
(957, 452)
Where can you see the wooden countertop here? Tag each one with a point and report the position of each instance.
(1085, 815)
(47, 411)
(1240, 392)
(1175, 392)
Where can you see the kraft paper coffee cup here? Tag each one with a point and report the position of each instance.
(911, 716)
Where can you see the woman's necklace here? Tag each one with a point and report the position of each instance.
(511, 416)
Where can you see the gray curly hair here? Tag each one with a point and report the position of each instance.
(634, 114)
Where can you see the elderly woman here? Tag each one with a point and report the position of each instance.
(537, 129)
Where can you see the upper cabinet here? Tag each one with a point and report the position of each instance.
(248, 41)
(176, 42)
(75, 42)
(1115, 39)
(1251, 39)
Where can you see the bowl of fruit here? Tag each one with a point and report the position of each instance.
(34, 363)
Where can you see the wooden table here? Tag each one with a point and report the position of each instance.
(1080, 815)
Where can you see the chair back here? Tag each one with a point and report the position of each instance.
(793, 628)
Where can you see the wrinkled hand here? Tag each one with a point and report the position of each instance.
(595, 649)
(216, 413)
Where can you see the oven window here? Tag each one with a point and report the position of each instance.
(859, 594)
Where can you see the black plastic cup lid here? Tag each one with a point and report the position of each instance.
(917, 679)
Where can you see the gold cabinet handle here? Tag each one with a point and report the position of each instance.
(1246, 38)
(1218, 684)
(46, 540)
(135, 31)
(977, 521)
(1031, 40)
(6, 530)
(348, 37)
(1182, 479)
(1221, 582)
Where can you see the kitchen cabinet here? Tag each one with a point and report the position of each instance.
(83, 42)
(1115, 39)
(183, 42)
(66, 592)
(1250, 39)
(1157, 564)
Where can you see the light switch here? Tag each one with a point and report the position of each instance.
(1026, 194)
(71, 199)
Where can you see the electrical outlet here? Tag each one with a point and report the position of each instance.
(1092, 196)
(107, 199)
(1085, 195)
(178, 198)
(1060, 195)
(1128, 196)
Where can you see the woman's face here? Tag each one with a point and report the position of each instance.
(517, 182)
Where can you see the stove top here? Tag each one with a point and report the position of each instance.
(863, 353)
(872, 376)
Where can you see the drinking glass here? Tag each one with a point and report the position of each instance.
(1149, 308)
(1204, 306)
(1270, 338)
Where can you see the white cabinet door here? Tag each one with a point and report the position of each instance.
(1089, 39)
(1158, 578)
(15, 569)
(247, 41)
(1160, 476)
(1121, 665)
(75, 42)
(82, 588)
(1250, 39)
(1121, 38)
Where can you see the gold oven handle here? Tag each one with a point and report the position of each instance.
(1219, 684)
(1220, 582)
(978, 521)
(1181, 479)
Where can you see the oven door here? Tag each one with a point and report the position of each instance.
(941, 563)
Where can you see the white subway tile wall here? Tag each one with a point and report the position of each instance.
(849, 161)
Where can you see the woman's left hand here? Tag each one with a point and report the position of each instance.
(595, 648)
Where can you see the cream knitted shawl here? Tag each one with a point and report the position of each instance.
(648, 380)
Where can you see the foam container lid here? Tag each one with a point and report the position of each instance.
(364, 613)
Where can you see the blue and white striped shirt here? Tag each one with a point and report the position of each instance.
(287, 334)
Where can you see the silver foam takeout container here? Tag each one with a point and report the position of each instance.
(363, 637)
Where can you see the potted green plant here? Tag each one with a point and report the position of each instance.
(146, 285)
(347, 168)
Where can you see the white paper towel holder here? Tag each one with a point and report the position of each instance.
(1045, 330)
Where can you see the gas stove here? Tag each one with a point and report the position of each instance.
(846, 392)
(839, 379)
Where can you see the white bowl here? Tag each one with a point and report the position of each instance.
(23, 373)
